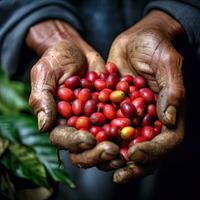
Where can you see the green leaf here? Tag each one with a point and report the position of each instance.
(23, 162)
(11, 99)
(13, 96)
(3, 145)
(23, 129)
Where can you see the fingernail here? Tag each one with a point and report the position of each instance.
(170, 114)
(41, 120)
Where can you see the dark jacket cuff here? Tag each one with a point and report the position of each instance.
(13, 32)
(188, 16)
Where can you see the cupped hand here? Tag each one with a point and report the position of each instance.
(147, 49)
(63, 53)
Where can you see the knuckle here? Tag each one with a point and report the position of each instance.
(33, 100)
(121, 40)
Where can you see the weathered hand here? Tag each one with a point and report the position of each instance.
(147, 49)
(63, 53)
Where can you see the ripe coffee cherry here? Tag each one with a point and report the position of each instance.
(158, 123)
(127, 133)
(109, 111)
(91, 76)
(140, 105)
(104, 95)
(151, 110)
(100, 106)
(137, 132)
(148, 132)
(77, 107)
(90, 107)
(95, 129)
(136, 121)
(147, 120)
(87, 84)
(106, 129)
(117, 96)
(157, 130)
(112, 81)
(123, 86)
(65, 94)
(83, 122)
(100, 84)
(114, 131)
(121, 122)
(124, 153)
(76, 92)
(84, 94)
(101, 136)
(104, 75)
(137, 140)
(98, 118)
(134, 95)
(72, 121)
(128, 78)
(95, 96)
(123, 115)
(64, 109)
(147, 94)
(115, 105)
(119, 113)
(128, 109)
(132, 89)
(126, 100)
(111, 68)
(73, 82)
(139, 82)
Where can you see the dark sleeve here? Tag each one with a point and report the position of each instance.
(186, 12)
(16, 16)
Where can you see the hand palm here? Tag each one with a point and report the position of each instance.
(149, 52)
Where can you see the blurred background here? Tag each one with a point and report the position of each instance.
(28, 162)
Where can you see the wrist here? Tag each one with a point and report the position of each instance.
(164, 22)
(48, 33)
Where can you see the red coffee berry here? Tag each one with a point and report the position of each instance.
(64, 109)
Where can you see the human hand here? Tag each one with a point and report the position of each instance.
(63, 53)
(147, 49)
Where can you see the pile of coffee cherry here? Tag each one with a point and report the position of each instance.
(110, 107)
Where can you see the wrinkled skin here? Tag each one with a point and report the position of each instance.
(143, 49)
(147, 49)
(63, 53)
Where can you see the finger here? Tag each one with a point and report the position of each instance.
(54, 67)
(95, 62)
(118, 56)
(111, 165)
(165, 142)
(68, 138)
(41, 98)
(131, 172)
(170, 81)
(102, 152)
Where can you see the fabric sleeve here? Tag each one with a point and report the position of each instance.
(17, 16)
(187, 13)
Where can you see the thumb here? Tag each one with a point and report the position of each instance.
(95, 62)
(43, 87)
(117, 55)
(172, 88)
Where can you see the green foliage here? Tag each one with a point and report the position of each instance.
(23, 150)
(23, 162)
(13, 96)
(3, 145)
